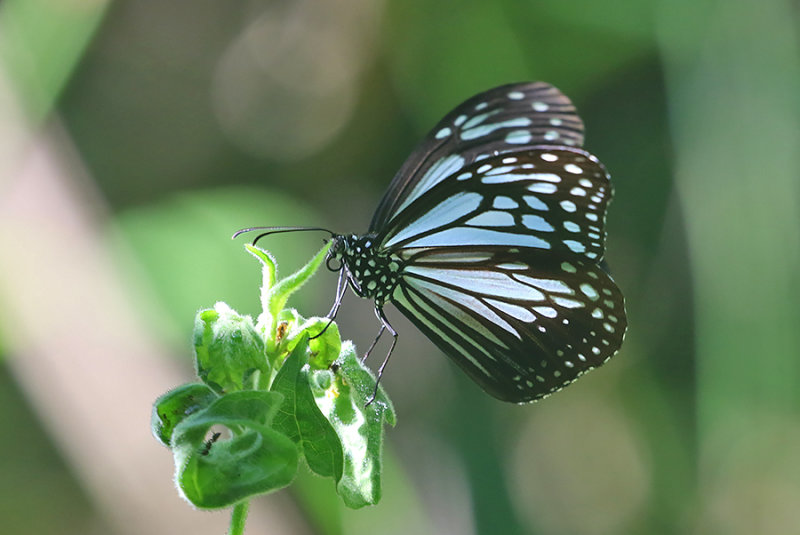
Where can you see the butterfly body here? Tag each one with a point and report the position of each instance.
(490, 239)
(371, 273)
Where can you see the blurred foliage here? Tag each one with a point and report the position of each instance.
(179, 252)
(692, 106)
(32, 469)
(40, 43)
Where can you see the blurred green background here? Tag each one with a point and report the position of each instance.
(136, 136)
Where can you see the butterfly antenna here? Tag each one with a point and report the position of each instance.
(279, 230)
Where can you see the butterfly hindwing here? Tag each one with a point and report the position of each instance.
(506, 118)
(521, 332)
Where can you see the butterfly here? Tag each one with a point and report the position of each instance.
(490, 239)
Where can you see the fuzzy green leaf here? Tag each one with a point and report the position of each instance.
(172, 408)
(342, 397)
(269, 271)
(301, 420)
(326, 347)
(256, 458)
(280, 292)
(229, 352)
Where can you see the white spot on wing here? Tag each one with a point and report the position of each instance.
(460, 236)
(499, 170)
(536, 222)
(492, 218)
(575, 246)
(578, 192)
(518, 137)
(546, 311)
(475, 120)
(535, 203)
(513, 266)
(494, 178)
(515, 311)
(567, 303)
(572, 168)
(589, 291)
(546, 177)
(474, 132)
(443, 133)
(548, 285)
(542, 188)
(505, 203)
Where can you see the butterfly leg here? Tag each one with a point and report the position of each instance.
(385, 325)
(341, 288)
(374, 342)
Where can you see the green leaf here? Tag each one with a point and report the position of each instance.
(358, 425)
(301, 420)
(256, 459)
(280, 292)
(269, 271)
(172, 408)
(283, 337)
(326, 347)
(229, 352)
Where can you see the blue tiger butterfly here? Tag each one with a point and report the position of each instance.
(490, 239)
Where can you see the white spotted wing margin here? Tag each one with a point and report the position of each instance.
(520, 325)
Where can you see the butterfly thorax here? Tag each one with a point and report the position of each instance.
(371, 274)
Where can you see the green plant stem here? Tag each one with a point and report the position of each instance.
(238, 518)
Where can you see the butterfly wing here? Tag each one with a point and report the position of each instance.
(521, 326)
(551, 199)
(506, 118)
(501, 269)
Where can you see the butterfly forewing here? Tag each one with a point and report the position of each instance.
(550, 199)
(506, 118)
(521, 332)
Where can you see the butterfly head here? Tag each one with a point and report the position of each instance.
(337, 252)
